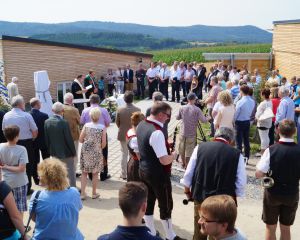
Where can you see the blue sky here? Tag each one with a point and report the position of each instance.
(260, 13)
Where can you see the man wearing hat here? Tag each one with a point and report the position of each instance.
(190, 116)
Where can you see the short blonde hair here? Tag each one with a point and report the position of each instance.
(53, 174)
(225, 98)
(95, 114)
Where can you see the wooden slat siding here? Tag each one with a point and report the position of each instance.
(286, 47)
(288, 64)
(61, 63)
(262, 65)
(286, 38)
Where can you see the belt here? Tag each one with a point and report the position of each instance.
(44, 93)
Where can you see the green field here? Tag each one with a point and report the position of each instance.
(195, 54)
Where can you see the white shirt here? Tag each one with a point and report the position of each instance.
(264, 163)
(241, 175)
(181, 70)
(175, 73)
(217, 107)
(119, 73)
(151, 72)
(272, 80)
(188, 75)
(164, 73)
(134, 145)
(233, 76)
(157, 140)
(133, 141)
(258, 79)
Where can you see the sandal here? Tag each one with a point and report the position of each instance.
(83, 197)
(28, 229)
(95, 196)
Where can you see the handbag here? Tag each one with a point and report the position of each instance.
(7, 228)
(35, 201)
(268, 113)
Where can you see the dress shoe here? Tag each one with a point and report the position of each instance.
(104, 177)
(78, 175)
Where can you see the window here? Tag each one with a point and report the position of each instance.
(62, 89)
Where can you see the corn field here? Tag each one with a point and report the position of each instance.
(195, 54)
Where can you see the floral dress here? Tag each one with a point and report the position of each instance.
(91, 157)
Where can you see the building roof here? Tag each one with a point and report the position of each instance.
(287, 22)
(68, 45)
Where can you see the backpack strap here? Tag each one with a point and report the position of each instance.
(34, 204)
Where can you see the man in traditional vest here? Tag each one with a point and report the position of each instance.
(281, 162)
(155, 167)
(214, 168)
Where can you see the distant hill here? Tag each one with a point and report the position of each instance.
(123, 41)
(198, 33)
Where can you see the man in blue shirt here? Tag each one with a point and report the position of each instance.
(286, 106)
(133, 203)
(244, 109)
(235, 90)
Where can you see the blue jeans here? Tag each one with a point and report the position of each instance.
(242, 136)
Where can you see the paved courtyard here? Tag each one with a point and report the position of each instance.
(102, 215)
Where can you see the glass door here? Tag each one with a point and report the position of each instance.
(62, 89)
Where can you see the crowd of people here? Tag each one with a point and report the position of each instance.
(215, 171)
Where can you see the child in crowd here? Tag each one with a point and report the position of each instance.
(101, 88)
(13, 160)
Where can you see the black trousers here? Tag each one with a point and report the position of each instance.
(79, 106)
(163, 88)
(175, 90)
(140, 88)
(182, 84)
(272, 134)
(110, 88)
(159, 188)
(152, 87)
(28, 144)
(188, 87)
(200, 86)
(242, 136)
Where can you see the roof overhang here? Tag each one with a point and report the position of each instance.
(68, 45)
(295, 21)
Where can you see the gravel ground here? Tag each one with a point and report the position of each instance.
(253, 189)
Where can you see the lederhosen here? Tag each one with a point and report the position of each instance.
(133, 162)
